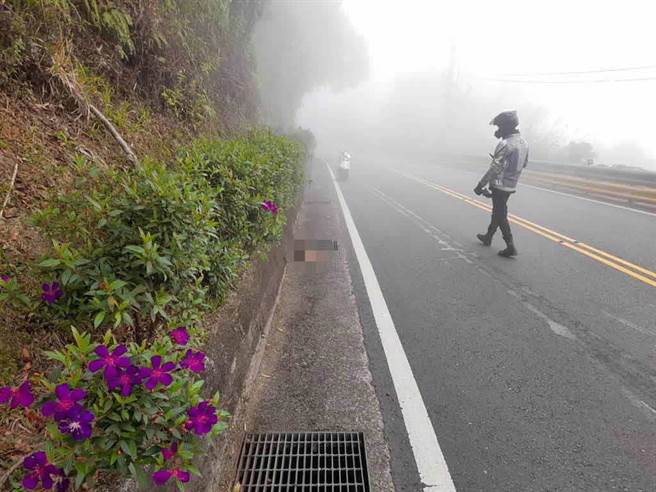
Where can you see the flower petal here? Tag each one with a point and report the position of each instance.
(49, 408)
(78, 394)
(30, 481)
(160, 477)
(120, 350)
(150, 384)
(181, 475)
(24, 396)
(155, 361)
(62, 391)
(110, 372)
(168, 367)
(96, 364)
(5, 394)
(166, 379)
(102, 351)
(46, 481)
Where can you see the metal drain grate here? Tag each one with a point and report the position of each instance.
(312, 461)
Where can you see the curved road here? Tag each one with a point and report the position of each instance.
(538, 373)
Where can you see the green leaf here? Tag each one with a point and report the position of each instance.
(53, 430)
(49, 263)
(140, 475)
(128, 448)
(81, 474)
(136, 249)
(55, 355)
(97, 321)
(107, 337)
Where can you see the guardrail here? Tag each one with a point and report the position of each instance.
(633, 194)
(632, 187)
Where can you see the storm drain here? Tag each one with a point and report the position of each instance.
(299, 461)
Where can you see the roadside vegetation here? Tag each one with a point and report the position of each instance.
(135, 189)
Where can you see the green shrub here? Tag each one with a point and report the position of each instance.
(131, 409)
(151, 245)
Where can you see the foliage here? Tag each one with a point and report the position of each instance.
(131, 427)
(192, 56)
(145, 246)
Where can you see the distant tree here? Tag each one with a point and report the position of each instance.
(300, 46)
(579, 152)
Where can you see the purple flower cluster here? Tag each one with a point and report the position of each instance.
(20, 396)
(193, 361)
(269, 206)
(157, 373)
(72, 418)
(180, 335)
(120, 374)
(38, 471)
(202, 418)
(160, 477)
(125, 380)
(112, 362)
(51, 292)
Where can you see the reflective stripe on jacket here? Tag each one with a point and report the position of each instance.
(509, 159)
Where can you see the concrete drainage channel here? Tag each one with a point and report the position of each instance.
(303, 461)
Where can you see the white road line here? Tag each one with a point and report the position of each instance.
(432, 467)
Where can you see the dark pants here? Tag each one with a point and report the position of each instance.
(500, 215)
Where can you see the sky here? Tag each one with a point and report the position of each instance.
(528, 41)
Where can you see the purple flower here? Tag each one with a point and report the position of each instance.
(39, 470)
(202, 418)
(180, 335)
(62, 483)
(124, 379)
(194, 361)
(169, 453)
(160, 477)
(77, 424)
(4, 279)
(66, 403)
(20, 396)
(51, 292)
(269, 206)
(157, 373)
(111, 362)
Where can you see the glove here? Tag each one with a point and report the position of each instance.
(487, 193)
(479, 190)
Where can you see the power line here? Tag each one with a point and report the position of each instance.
(581, 72)
(548, 82)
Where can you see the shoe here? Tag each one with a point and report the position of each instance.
(509, 252)
(485, 239)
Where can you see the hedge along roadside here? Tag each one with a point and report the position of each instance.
(142, 250)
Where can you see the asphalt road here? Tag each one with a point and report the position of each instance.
(538, 373)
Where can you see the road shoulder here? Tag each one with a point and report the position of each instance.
(314, 373)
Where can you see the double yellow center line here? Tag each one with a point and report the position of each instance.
(631, 269)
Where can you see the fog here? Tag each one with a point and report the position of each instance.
(427, 76)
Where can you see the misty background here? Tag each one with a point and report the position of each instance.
(422, 78)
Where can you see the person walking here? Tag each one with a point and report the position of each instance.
(508, 161)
